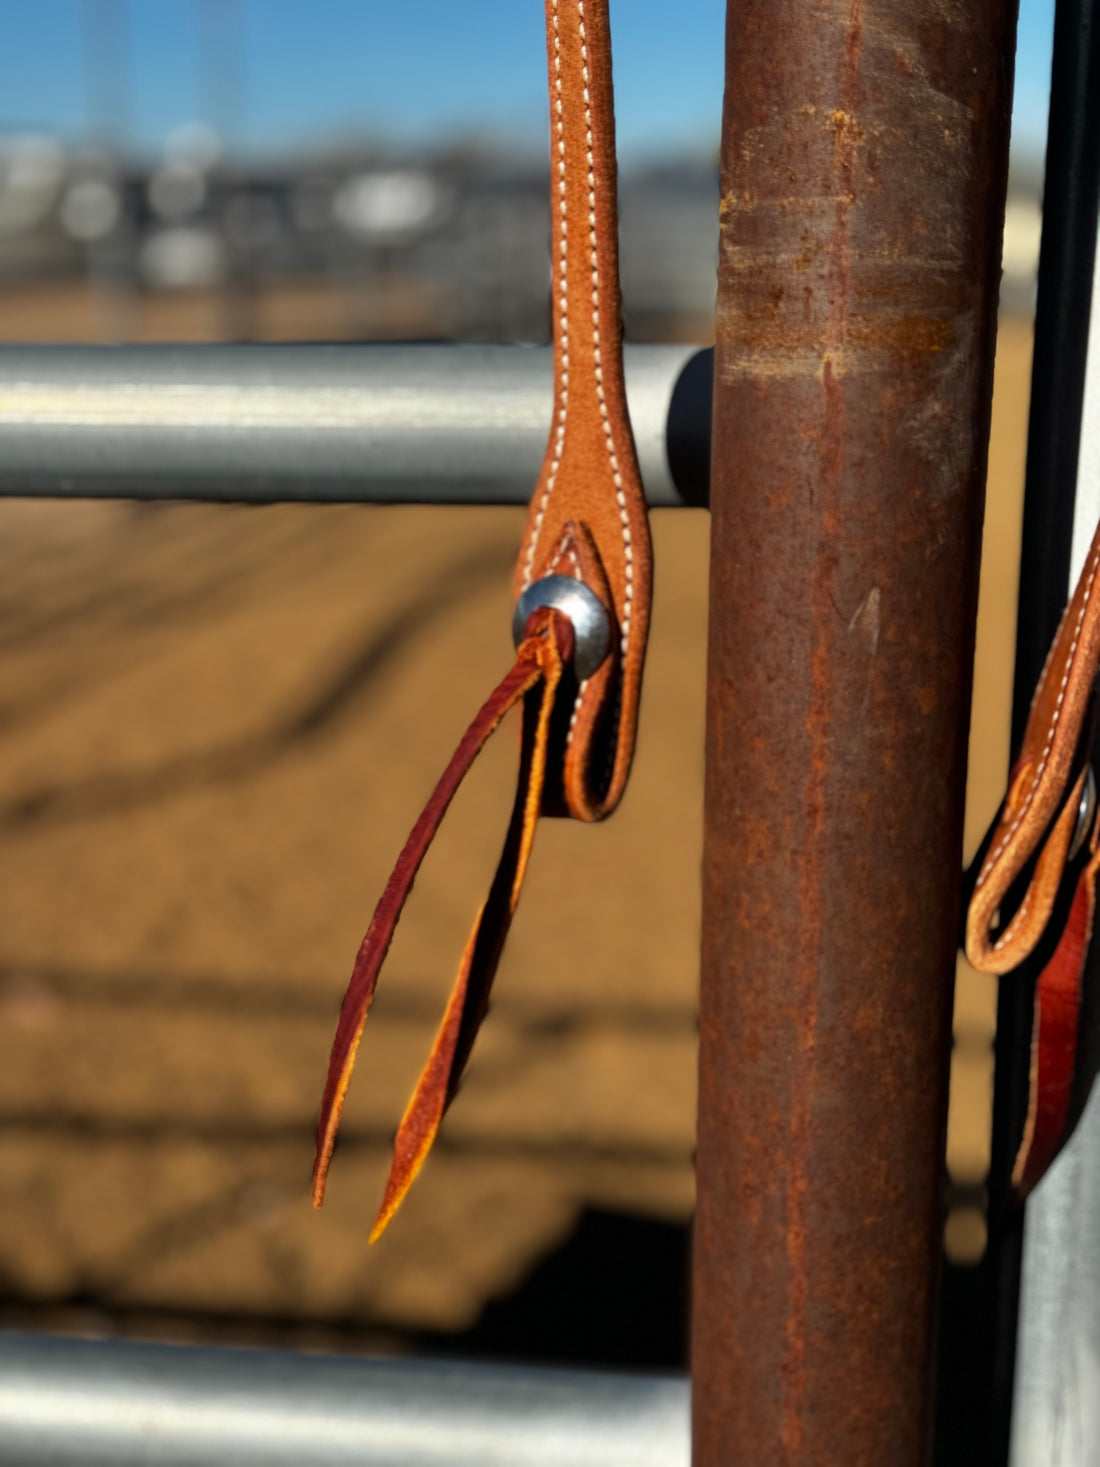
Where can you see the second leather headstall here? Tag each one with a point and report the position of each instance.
(1032, 887)
(582, 613)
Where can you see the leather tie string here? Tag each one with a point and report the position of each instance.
(586, 547)
(533, 680)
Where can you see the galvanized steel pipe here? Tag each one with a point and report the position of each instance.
(81, 1403)
(382, 424)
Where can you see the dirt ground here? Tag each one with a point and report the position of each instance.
(216, 725)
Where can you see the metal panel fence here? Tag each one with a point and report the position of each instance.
(404, 424)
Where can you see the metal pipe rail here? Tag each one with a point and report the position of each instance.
(114, 1404)
(382, 424)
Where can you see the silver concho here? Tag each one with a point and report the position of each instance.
(591, 627)
(1085, 811)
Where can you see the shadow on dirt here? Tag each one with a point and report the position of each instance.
(615, 1294)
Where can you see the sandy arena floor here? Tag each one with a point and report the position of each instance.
(216, 725)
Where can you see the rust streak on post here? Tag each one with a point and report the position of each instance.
(864, 165)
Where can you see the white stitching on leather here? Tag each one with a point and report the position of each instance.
(1025, 906)
(560, 556)
(563, 303)
(1017, 918)
(1056, 715)
(576, 706)
(624, 518)
(563, 332)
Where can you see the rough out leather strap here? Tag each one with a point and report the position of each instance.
(588, 514)
(1032, 886)
(588, 521)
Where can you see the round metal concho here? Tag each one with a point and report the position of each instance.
(591, 626)
(1085, 812)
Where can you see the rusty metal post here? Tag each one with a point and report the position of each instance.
(865, 148)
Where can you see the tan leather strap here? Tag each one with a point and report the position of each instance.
(1027, 832)
(588, 521)
(588, 514)
(1032, 886)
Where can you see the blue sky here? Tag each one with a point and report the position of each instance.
(313, 70)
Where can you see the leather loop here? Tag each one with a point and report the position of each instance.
(588, 520)
(1026, 832)
(1031, 894)
(588, 514)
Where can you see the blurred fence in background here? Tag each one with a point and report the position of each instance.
(215, 724)
(354, 243)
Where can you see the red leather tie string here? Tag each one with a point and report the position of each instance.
(533, 680)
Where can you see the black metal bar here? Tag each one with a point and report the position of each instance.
(1071, 192)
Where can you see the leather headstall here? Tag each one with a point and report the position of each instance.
(1031, 890)
(583, 592)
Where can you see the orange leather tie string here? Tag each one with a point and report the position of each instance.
(536, 674)
(585, 553)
